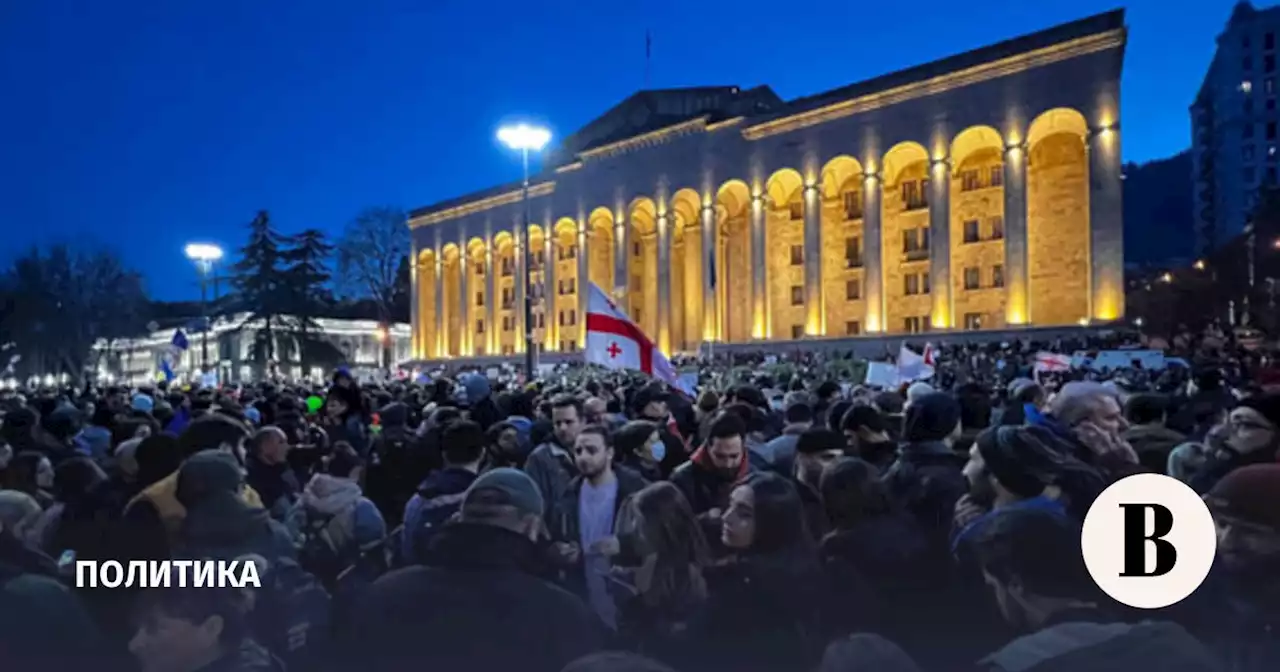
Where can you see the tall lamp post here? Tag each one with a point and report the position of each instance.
(526, 138)
(205, 256)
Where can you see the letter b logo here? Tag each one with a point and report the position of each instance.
(1148, 541)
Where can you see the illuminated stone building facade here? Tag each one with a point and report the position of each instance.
(981, 191)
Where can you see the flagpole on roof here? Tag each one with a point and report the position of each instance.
(648, 54)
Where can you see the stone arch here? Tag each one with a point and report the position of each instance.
(504, 285)
(733, 260)
(537, 241)
(642, 286)
(904, 239)
(686, 271)
(1058, 218)
(784, 255)
(977, 229)
(843, 281)
(600, 267)
(425, 331)
(565, 252)
(451, 265)
(478, 299)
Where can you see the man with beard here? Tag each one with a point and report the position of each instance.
(1245, 508)
(864, 428)
(550, 465)
(815, 449)
(584, 518)
(711, 472)
(1252, 437)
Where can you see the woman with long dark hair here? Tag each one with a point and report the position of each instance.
(661, 592)
(766, 598)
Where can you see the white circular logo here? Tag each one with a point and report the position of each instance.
(1149, 541)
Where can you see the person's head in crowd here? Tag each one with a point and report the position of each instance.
(996, 473)
(462, 445)
(1254, 424)
(826, 393)
(915, 391)
(30, 472)
(661, 539)
(755, 421)
(726, 444)
(1205, 380)
(933, 417)
(852, 492)
(1030, 560)
(1023, 391)
(1088, 403)
(503, 440)
(142, 403)
(835, 414)
(594, 410)
(816, 447)
(18, 513)
(751, 396)
(76, 477)
(889, 403)
(443, 416)
(1146, 409)
(214, 432)
(270, 445)
(157, 456)
(133, 427)
(975, 407)
(865, 651)
(765, 517)
(344, 462)
(102, 417)
(1244, 508)
(566, 419)
(616, 661)
(505, 498)
(639, 440)
(126, 457)
(707, 404)
(593, 453)
(209, 475)
(183, 629)
(863, 424)
(798, 415)
(650, 403)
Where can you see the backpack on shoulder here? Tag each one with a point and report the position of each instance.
(291, 614)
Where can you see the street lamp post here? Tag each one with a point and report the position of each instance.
(205, 256)
(526, 138)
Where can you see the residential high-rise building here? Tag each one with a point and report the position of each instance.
(1235, 126)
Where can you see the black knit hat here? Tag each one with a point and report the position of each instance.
(932, 417)
(1003, 449)
(1266, 405)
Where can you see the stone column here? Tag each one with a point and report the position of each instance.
(1106, 232)
(759, 280)
(440, 345)
(464, 306)
(550, 295)
(873, 259)
(814, 313)
(940, 244)
(1017, 310)
(491, 331)
(711, 329)
(521, 276)
(584, 280)
(418, 334)
(621, 264)
(664, 282)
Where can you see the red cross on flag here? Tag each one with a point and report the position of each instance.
(615, 342)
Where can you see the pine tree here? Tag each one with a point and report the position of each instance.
(305, 281)
(259, 280)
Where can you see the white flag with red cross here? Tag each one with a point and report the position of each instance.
(615, 342)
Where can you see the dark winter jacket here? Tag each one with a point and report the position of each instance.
(437, 500)
(564, 525)
(926, 478)
(1153, 443)
(478, 605)
(1099, 646)
(703, 485)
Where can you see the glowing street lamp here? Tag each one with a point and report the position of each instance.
(526, 138)
(205, 255)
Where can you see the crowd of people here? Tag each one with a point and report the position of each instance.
(783, 518)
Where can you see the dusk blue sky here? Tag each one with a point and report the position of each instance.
(146, 124)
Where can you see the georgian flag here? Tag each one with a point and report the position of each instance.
(1048, 361)
(913, 367)
(615, 342)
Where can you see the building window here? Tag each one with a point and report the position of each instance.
(997, 227)
(542, 320)
(541, 257)
(910, 284)
(1271, 175)
(971, 234)
(852, 290)
(635, 249)
(573, 344)
(997, 176)
(1271, 130)
(560, 318)
(1269, 41)
(852, 328)
(969, 180)
(915, 243)
(911, 325)
(508, 267)
(972, 278)
(852, 205)
(796, 211)
(573, 316)
(1269, 63)
(972, 321)
(914, 194)
(797, 332)
(479, 298)
(997, 275)
(797, 295)
(924, 283)
(479, 326)
(853, 252)
(797, 255)
(1271, 105)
